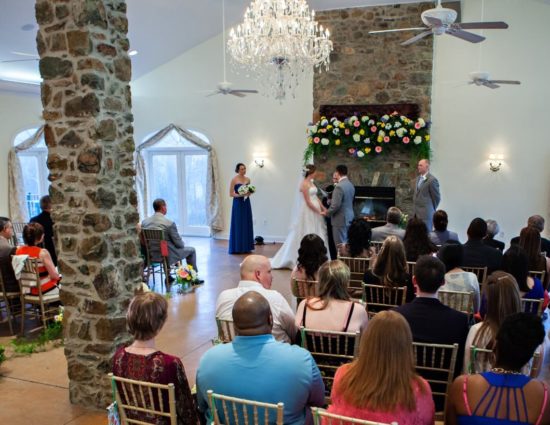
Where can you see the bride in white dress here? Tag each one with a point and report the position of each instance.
(308, 219)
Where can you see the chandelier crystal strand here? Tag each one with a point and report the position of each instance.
(279, 42)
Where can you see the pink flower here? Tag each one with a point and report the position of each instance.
(373, 129)
(356, 124)
(351, 151)
(316, 140)
(406, 140)
(323, 130)
(417, 125)
(346, 131)
(378, 149)
(386, 139)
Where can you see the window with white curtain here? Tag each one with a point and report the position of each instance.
(176, 172)
(34, 170)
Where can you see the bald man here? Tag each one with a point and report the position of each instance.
(256, 367)
(256, 276)
(426, 194)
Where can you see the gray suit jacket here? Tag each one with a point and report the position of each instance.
(382, 232)
(175, 243)
(341, 206)
(426, 199)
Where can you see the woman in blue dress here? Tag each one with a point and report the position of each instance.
(241, 234)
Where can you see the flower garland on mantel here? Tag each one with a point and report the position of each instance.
(368, 136)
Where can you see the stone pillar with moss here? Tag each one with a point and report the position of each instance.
(84, 63)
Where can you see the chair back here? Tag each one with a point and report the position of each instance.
(411, 267)
(141, 402)
(539, 274)
(480, 272)
(156, 247)
(458, 300)
(436, 364)
(379, 297)
(534, 306)
(376, 246)
(330, 349)
(18, 232)
(485, 358)
(7, 305)
(322, 417)
(303, 288)
(226, 331)
(358, 266)
(239, 411)
(30, 277)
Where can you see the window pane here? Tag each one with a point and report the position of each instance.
(31, 183)
(164, 183)
(174, 140)
(195, 185)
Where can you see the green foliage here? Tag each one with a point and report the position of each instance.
(53, 331)
(2, 355)
(22, 346)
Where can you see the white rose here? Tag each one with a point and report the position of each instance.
(382, 133)
(356, 137)
(401, 131)
(313, 129)
(388, 126)
(337, 123)
(364, 118)
(325, 141)
(403, 118)
(397, 124)
(336, 131)
(353, 119)
(417, 140)
(360, 154)
(371, 122)
(421, 122)
(367, 140)
(385, 118)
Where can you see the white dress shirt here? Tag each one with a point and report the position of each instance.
(284, 328)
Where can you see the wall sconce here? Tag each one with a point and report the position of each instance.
(259, 162)
(495, 161)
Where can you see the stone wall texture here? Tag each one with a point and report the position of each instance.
(87, 109)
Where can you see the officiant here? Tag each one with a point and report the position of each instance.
(326, 196)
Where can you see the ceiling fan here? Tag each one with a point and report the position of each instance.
(224, 87)
(483, 79)
(441, 20)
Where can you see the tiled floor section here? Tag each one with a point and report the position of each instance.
(34, 389)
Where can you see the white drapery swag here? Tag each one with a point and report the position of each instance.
(16, 187)
(214, 212)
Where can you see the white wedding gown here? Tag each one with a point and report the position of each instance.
(306, 221)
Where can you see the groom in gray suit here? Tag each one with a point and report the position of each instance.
(341, 206)
(426, 194)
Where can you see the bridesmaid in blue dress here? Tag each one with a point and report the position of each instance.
(241, 234)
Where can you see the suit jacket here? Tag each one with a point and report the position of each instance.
(175, 243)
(45, 219)
(426, 199)
(477, 254)
(382, 232)
(493, 243)
(6, 251)
(544, 244)
(341, 206)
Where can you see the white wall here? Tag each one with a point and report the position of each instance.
(470, 122)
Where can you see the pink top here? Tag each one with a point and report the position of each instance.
(334, 317)
(423, 415)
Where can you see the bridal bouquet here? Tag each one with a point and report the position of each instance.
(246, 189)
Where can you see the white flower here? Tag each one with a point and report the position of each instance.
(367, 140)
(353, 119)
(385, 118)
(401, 131)
(417, 140)
(325, 141)
(371, 122)
(324, 122)
(336, 131)
(388, 126)
(381, 133)
(421, 122)
(336, 123)
(356, 137)
(360, 154)
(313, 129)
(403, 118)
(397, 124)
(364, 118)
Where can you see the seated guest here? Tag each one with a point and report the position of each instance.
(142, 361)
(45, 219)
(256, 367)
(440, 234)
(391, 391)
(529, 240)
(429, 319)
(493, 229)
(516, 263)
(358, 244)
(502, 297)
(537, 222)
(6, 251)
(476, 253)
(416, 240)
(457, 279)
(311, 255)
(256, 276)
(390, 268)
(391, 228)
(176, 248)
(33, 235)
(503, 395)
(333, 309)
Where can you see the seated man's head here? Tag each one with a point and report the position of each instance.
(517, 339)
(159, 205)
(537, 222)
(440, 220)
(258, 269)
(493, 228)
(46, 203)
(146, 315)
(6, 229)
(429, 274)
(252, 315)
(477, 229)
(393, 215)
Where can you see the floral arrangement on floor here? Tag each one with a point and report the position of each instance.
(368, 136)
(186, 276)
(246, 189)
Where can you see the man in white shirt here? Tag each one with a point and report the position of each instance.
(256, 276)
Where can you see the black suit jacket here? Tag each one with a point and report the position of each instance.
(544, 244)
(478, 254)
(493, 243)
(8, 277)
(45, 219)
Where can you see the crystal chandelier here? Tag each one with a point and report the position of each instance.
(279, 42)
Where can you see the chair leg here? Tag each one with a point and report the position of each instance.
(22, 315)
(43, 315)
(8, 312)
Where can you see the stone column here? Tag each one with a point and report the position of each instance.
(87, 109)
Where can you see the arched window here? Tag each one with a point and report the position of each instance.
(34, 169)
(176, 172)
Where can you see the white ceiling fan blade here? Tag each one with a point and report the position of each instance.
(416, 38)
(465, 35)
(505, 82)
(490, 84)
(236, 93)
(18, 60)
(399, 29)
(482, 25)
(245, 90)
(434, 21)
(213, 93)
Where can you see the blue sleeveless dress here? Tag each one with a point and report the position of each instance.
(241, 233)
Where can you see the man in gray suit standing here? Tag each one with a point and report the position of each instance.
(341, 205)
(176, 248)
(426, 194)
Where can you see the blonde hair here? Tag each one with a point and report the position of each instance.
(391, 263)
(333, 283)
(146, 315)
(382, 377)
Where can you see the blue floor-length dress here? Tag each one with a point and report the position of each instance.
(241, 234)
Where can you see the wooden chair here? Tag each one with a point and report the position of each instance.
(143, 403)
(156, 252)
(411, 267)
(357, 267)
(480, 272)
(376, 246)
(303, 288)
(330, 349)
(226, 332)
(8, 311)
(378, 298)
(48, 304)
(18, 232)
(488, 358)
(322, 417)
(538, 274)
(436, 364)
(240, 411)
(534, 306)
(458, 300)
